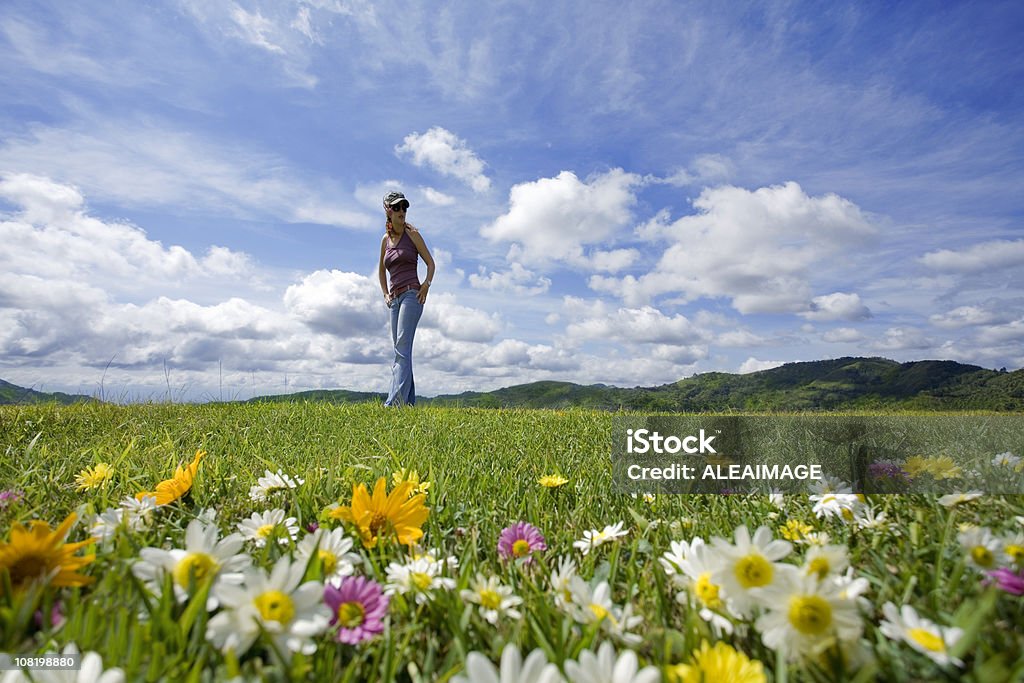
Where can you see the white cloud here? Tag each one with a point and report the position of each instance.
(553, 219)
(966, 316)
(760, 248)
(837, 306)
(53, 237)
(337, 303)
(982, 257)
(458, 322)
(150, 165)
(752, 364)
(443, 151)
(902, 339)
(707, 169)
(437, 198)
(645, 325)
(516, 279)
(1002, 334)
(842, 335)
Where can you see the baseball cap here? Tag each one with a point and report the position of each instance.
(392, 198)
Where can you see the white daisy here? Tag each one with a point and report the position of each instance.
(829, 484)
(270, 483)
(690, 566)
(921, 634)
(749, 563)
(594, 538)
(133, 515)
(1013, 549)
(605, 667)
(983, 549)
(866, 518)
(1007, 459)
(954, 499)
(421, 577)
(561, 582)
(805, 614)
(593, 605)
(333, 550)
(494, 598)
(536, 668)
(289, 613)
(824, 561)
(845, 506)
(204, 557)
(267, 525)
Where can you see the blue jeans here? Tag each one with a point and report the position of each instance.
(405, 314)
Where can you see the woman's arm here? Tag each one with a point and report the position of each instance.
(424, 253)
(381, 269)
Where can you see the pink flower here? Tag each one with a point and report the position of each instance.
(10, 497)
(1008, 580)
(358, 606)
(520, 540)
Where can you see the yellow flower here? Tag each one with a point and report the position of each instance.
(36, 552)
(177, 486)
(915, 465)
(94, 477)
(944, 468)
(941, 467)
(413, 477)
(384, 514)
(718, 663)
(795, 530)
(552, 481)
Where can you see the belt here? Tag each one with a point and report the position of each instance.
(403, 289)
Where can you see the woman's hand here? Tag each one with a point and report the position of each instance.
(387, 299)
(422, 295)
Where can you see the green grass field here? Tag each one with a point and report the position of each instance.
(483, 467)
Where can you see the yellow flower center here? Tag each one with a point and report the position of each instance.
(379, 522)
(351, 614)
(1016, 552)
(266, 531)
(707, 592)
(520, 548)
(28, 567)
(275, 606)
(601, 613)
(930, 641)
(754, 571)
(328, 560)
(490, 599)
(198, 565)
(421, 580)
(982, 556)
(810, 614)
(819, 567)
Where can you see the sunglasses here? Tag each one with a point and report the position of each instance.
(402, 206)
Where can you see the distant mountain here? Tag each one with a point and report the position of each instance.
(843, 383)
(840, 384)
(13, 394)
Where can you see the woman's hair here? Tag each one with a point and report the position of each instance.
(391, 231)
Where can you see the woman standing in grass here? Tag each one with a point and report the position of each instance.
(400, 249)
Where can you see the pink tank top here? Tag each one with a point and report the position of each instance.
(401, 261)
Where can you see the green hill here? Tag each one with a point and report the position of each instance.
(843, 383)
(838, 384)
(13, 394)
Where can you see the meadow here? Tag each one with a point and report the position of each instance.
(493, 547)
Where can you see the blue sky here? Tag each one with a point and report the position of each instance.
(626, 194)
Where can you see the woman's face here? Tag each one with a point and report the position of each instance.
(397, 213)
